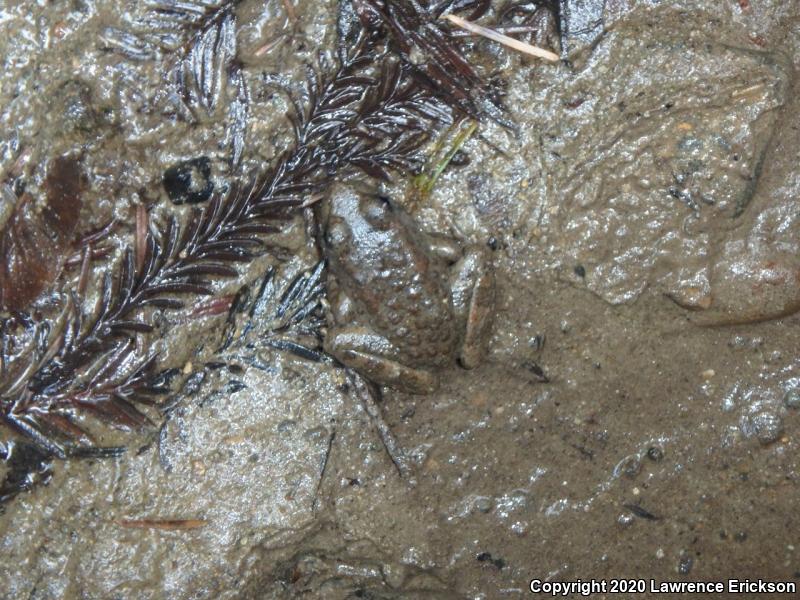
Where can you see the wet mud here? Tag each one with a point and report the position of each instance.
(637, 414)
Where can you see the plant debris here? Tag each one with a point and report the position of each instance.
(36, 237)
(189, 181)
(502, 39)
(162, 524)
(641, 512)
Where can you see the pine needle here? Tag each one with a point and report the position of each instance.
(502, 39)
(163, 524)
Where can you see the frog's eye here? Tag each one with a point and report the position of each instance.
(377, 212)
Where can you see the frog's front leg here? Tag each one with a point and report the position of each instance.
(374, 357)
(473, 296)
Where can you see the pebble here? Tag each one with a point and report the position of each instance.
(743, 341)
(767, 427)
(655, 453)
(483, 504)
(625, 519)
(792, 398)
(628, 466)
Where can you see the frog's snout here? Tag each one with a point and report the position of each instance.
(337, 233)
(343, 203)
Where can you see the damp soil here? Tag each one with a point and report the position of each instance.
(637, 415)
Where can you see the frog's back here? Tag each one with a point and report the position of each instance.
(412, 308)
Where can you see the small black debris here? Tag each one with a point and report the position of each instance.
(26, 466)
(580, 271)
(685, 565)
(499, 563)
(233, 386)
(641, 512)
(163, 380)
(537, 371)
(537, 342)
(189, 181)
(193, 383)
(459, 159)
(655, 453)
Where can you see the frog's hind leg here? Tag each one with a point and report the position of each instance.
(372, 356)
(473, 296)
(369, 394)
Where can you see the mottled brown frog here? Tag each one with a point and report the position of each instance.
(403, 303)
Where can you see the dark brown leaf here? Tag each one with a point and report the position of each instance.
(35, 240)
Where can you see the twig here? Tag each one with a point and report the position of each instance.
(502, 39)
(140, 243)
(163, 524)
(290, 11)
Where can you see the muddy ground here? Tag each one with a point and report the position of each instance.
(638, 414)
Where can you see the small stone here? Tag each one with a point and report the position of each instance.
(792, 398)
(483, 504)
(655, 453)
(767, 427)
(625, 520)
(486, 557)
(628, 466)
(520, 528)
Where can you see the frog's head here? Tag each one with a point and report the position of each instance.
(351, 215)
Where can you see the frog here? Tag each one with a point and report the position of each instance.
(402, 304)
